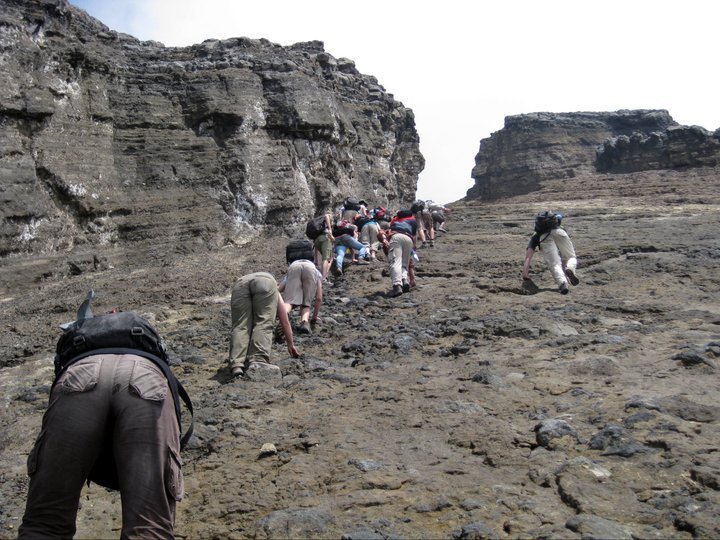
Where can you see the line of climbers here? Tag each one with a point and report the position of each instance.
(113, 415)
(356, 234)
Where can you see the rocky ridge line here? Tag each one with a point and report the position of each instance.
(534, 149)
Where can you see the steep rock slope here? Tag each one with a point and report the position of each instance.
(475, 406)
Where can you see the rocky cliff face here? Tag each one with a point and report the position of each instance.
(535, 148)
(674, 148)
(109, 141)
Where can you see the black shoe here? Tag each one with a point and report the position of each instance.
(305, 328)
(237, 372)
(397, 291)
(564, 289)
(405, 287)
(571, 276)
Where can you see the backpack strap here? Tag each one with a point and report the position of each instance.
(176, 388)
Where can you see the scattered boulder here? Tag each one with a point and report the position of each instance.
(549, 431)
(596, 528)
(616, 441)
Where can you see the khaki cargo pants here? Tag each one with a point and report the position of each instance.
(253, 307)
(127, 398)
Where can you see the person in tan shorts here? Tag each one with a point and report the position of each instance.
(302, 288)
(324, 248)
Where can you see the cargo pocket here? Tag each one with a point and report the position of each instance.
(32, 460)
(80, 377)
(173, 476)
(148, 383)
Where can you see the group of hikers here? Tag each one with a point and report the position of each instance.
(114, 408)
(355, 234)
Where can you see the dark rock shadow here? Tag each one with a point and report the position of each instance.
(529, 287)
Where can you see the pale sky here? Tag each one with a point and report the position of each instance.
(462, 66)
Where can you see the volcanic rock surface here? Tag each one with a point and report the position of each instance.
(475, 406)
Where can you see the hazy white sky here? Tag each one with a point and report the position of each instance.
(463, 65)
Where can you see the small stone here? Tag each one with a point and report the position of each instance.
(267, 450)
(262, 372)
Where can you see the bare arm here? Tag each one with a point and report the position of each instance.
(286, 327)
(328, 227)
(526, 267)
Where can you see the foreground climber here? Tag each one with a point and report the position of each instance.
(112, 418)
(557, 249)
(254, 304)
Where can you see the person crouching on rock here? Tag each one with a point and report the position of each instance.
(399, 243)
(302, 287)
(346, 239)
(255, 302)
(557, 249)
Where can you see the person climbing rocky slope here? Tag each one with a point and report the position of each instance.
(475, 406)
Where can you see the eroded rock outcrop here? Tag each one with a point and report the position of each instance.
(676, 147)
(534, 148)
(107, 140)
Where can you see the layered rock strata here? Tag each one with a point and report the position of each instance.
(109, 141)
(535, 148)
(674, 148)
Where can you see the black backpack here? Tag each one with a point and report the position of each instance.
(361, 221)
(298, 250)
(124, 332)
(351, 204)
(315, 227)
(418, 206)
(546, 221)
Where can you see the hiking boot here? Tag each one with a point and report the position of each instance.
(237, 372)
(571, 276)
(564, 289)
(396, 291)
(406, 287)
(305, 328)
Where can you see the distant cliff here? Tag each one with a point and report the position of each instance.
(536, 147)
(106, 140)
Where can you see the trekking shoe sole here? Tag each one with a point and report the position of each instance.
(397, 291)
(571, 276)
(406, 287)
(237, 372)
